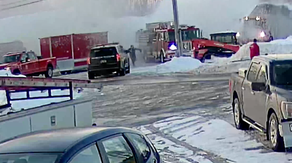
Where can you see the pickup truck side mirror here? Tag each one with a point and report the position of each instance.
(258, 87)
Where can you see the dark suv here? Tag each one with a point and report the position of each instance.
(106, 59)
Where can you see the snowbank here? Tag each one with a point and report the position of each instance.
(27, 104)
(176, 65)
(220, 138)
(281, 46)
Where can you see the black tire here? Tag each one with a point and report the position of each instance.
(16, 72)
(50, 72)
(276, 141)
(91, 75)
(161, 58)
(128, 70)
(237, 116)
(123, 71)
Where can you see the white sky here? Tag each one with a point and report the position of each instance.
(80, 16)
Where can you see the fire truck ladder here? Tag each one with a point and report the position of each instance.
(14, 85)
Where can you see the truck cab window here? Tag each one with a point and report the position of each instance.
(32, 56)
(24, 57)
(253, 72)
(262, 77)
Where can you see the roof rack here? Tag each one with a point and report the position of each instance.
(18, 84)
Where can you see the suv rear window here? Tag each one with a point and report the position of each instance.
(103, 52)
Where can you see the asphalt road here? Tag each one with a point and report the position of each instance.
(137, 100)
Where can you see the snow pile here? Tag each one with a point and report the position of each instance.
(281, 46)
(176, 65)
(220, 138)
(27, 104)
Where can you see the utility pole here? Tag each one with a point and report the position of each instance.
(176, 27)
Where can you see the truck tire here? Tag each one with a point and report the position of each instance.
(50, 71)
(161, 58)
(128, 70)
(91, 75)
(276, 141)
(237, 116)
(123, 70)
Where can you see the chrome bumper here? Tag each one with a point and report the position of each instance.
(285, 129)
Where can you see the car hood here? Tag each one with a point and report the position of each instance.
(285, 92)
(2, 66)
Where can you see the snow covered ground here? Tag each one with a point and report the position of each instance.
(209, 137)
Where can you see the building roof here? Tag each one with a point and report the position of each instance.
(57, 141)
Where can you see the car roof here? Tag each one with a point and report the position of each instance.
(275, 57)
(12, 54)
(57, 141)
(224, 32)
(110, 45)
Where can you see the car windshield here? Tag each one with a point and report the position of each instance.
(281, 72)
(11, 58)
(28, 158)
(224, 38)
(187, 35)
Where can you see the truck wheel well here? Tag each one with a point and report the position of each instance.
(50, 65)
(16, 72)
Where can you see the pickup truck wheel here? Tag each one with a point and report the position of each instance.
(123, 70)
(49, 73)
(274, 136)
(161, 58)
(91, 75)
(239, 123)
(128, 70)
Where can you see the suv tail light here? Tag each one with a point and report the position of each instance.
(88, 60)
(118, 57)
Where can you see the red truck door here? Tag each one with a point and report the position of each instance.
(29, 64)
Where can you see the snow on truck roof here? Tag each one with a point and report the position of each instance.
(276, 57)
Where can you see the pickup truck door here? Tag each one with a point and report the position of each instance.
(249, 99)
(259, 111)
(29, 64)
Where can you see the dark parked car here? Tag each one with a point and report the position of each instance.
(106, 59)
(80, 145)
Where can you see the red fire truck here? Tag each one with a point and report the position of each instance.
(71, 51)
(158, 40)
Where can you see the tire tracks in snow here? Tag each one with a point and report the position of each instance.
(208, 155)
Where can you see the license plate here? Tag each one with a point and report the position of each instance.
(103, 61)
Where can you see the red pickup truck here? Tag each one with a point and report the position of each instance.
(29, 64)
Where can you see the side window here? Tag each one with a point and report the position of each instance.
(141, 144)
(24, 57)
(262, 77)
(118, 150)
(253, 71)
(32, 56)
(90, 155)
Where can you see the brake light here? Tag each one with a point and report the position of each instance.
(118, 57)
(88, 61)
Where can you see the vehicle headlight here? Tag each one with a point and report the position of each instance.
(262, 34)
(286, 108)
(7, 68)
